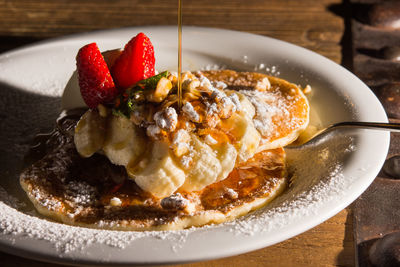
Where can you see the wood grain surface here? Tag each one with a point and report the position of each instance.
(308, 23)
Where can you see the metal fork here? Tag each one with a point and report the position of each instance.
(346, 124)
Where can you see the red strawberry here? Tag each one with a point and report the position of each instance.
(135, 63)
(95, 81)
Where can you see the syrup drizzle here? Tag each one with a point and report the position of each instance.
(179, 54)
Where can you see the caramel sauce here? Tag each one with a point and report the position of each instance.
(129, 193)
(179, 54)
(245, 182)
(62, 179)
(217, 134)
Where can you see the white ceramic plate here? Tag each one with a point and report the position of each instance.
(333, 176)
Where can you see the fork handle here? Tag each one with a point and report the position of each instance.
(388, 126)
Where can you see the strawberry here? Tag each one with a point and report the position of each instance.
(95, 81)
(135, 63)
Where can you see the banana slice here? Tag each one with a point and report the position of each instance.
(124, 142)
(90, 133)
(226, 154)
(159, 174)
(205, 167)
(247, 138)
(245, 105)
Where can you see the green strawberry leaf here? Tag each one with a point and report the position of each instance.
(128, 101)
(151, 83)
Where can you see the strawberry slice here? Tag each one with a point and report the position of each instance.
(95, 81)
(135, 63)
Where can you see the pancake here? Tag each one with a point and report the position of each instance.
(80, 191)
(282, 110)
(139, 184)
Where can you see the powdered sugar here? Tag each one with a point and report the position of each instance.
(181, 142)
(68, 238)
(212, 108)
(235, 100)
(314, 186)
(273, 70)
(153, 131)
(190, 112)
(81, 192)
(303, 199)
(267, 106)
(166, 119)
(219, 85)
(65, 238)
(317, 179)
(187, 160)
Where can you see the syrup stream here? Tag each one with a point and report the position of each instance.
(179, 54)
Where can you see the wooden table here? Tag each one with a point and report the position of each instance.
(308, 23)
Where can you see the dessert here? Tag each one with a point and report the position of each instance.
(135, 160)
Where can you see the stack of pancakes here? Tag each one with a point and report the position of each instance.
(93, 192)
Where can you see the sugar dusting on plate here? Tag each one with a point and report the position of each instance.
(314, 185)
(317, 176)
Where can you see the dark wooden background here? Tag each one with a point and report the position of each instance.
(316, 25)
